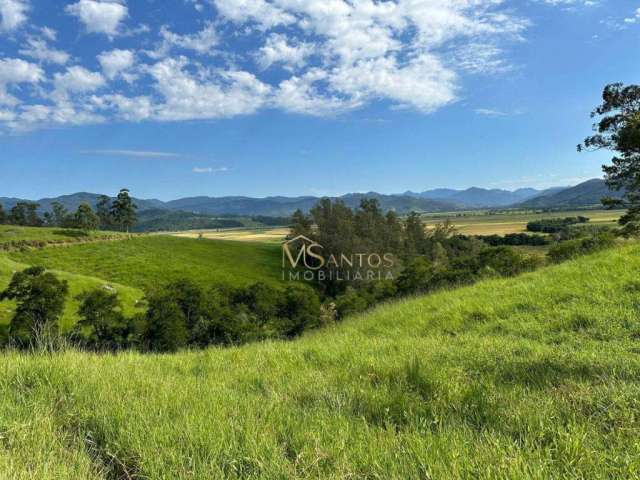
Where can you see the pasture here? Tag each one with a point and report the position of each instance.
(145, 262)
(532, 377)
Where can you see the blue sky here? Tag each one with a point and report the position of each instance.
(304, 97)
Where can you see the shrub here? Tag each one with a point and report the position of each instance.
(166, 325)
(581, 246)
(102, 325)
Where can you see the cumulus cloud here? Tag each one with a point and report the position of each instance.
(331, 56)
(38, 49)
(13, 13)
(278, 50)
(201, 42)
(99, 16)
(115, 62)
(78, 79)
(16, 71)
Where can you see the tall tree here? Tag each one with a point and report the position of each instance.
(103, 210)
(415, 236)
(618, 130)
(3, 215)
(84, 218)
(25, 214)
(59, 215)
(123, 210)
(301, 224)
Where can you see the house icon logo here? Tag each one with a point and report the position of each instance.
(307, 253)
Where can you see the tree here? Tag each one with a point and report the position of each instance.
(415, 235)
(300, 224)
(103, 210)
(59, 215)
(123, 210)
(40, 300)
(618, 130)
(25, 214)
(3, 215)
(102, 325)
(166, 326)
(84, 218)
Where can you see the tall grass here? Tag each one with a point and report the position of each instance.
(533, 377)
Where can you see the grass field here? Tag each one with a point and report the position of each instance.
(145, 262)
(532, 377)
(14, 233)
(502, 223)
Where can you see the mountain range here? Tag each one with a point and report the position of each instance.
(585, 194)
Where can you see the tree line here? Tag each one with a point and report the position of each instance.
(117, 214)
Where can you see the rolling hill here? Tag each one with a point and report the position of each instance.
(532, 377)
(475, 197)
(585, 194)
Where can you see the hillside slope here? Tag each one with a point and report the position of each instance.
(533, 377)
(585, 194)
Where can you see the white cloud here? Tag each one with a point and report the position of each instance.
(209, 170)
(206, 95)
(16, 70)
(99, 16)
(13, 13)
(38, 49)
(201, 42)
(115, 62)
(278, 50)
(332, 56)
(266, 14)
(78, 80)
(132, 109)
(490, 112)
(132, 153)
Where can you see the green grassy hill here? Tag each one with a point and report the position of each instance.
(15, 235)
(533, 377)
(129, 296)
(144, 262)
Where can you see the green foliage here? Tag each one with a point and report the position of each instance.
(102, 324)
(3, 215)
(618, 130)
(554, 225)
(25, 214)
(514, 239)
(84, 218)
(580, 246)
(40, 298)
(123, 211)
(166, 325)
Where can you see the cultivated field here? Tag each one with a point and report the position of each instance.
(532, 377)
(474, 223)
(271, 235)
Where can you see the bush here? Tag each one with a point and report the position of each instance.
(554, 225)
(102, 325)
(581, 246)
(166, 325)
